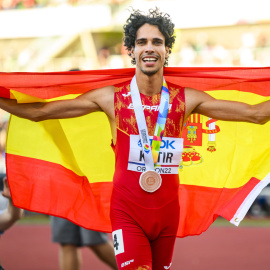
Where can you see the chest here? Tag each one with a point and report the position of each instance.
(125, 115)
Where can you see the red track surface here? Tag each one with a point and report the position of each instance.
(26, 247)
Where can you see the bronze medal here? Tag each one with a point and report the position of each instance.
(150, 181)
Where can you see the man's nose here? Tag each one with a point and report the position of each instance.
(149, 47)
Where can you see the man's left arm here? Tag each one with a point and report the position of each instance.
(202, 103)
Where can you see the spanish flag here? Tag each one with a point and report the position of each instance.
(65, 167)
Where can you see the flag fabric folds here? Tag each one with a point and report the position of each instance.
(65, 167)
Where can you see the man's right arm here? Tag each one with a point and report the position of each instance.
(88, 102)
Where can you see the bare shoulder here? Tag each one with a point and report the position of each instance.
(191, 93)
(194, 98)
(103, 97)
(106, 92)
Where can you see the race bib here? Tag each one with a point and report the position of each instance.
(169, 157)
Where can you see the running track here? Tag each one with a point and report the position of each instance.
(28, 247)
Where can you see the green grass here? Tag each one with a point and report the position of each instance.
(246, 222)
(34, 220)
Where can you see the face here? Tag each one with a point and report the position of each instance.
(150, 51)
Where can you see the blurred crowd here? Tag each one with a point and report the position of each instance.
(19, 4)
(254, 51)
(20, 55)
(22, 4)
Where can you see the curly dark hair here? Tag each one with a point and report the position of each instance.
(154, 17)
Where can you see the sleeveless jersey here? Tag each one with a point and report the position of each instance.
(126, 181)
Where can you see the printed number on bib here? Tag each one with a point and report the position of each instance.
(118, 242)
(169, 157)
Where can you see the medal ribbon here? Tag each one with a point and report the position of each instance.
(161, 121)
(150, 153)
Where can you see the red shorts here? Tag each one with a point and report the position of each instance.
(143, 238)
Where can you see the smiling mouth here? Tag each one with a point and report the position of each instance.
(149, 60)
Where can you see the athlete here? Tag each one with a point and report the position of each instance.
(144, 220)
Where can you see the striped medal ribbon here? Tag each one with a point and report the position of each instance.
(150, 180)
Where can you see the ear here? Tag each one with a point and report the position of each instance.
(167, 52)
(131, 53)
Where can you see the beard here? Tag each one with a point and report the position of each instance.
(149, 72)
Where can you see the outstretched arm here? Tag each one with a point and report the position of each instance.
(94, 100)
(12, 213)
(202, 103)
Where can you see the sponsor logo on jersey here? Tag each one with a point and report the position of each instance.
(149, 108)
(127, 263)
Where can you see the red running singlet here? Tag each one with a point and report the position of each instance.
(144, 224)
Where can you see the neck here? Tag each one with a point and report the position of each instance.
(149, 84)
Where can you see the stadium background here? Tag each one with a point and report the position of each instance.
(59, 35)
